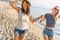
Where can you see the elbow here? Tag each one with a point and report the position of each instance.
(10, 3)
(32, 21)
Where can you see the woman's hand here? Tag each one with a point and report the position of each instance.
(33, 20)
(12, 4)
(42, 18)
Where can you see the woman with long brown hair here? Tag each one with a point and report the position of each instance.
(24, 16)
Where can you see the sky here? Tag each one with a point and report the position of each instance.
(45, 3)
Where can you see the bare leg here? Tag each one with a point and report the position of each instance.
(50, 38)
(16, 37)
(45, 37)
(22, 37)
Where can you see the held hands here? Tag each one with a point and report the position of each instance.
(40, 17)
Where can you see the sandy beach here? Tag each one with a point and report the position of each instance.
(8, 19)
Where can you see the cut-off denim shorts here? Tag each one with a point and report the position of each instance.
(48, 32)
(17, 31)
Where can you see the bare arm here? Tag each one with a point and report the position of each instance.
(33, 20)
(42, 18)
(12, 4)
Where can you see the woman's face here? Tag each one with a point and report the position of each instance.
(24, 5)
(54, 11)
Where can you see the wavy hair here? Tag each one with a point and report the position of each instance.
(28, 7)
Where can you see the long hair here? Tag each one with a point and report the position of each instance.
(56, 8)
(28, 7)
(57, 12)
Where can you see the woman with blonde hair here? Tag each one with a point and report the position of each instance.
(50, 23)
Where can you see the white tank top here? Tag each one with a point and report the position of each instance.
(22, 21)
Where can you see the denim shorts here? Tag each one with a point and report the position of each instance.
(48, 32)
(17, 31)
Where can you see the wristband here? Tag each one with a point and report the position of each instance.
(38, 17)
